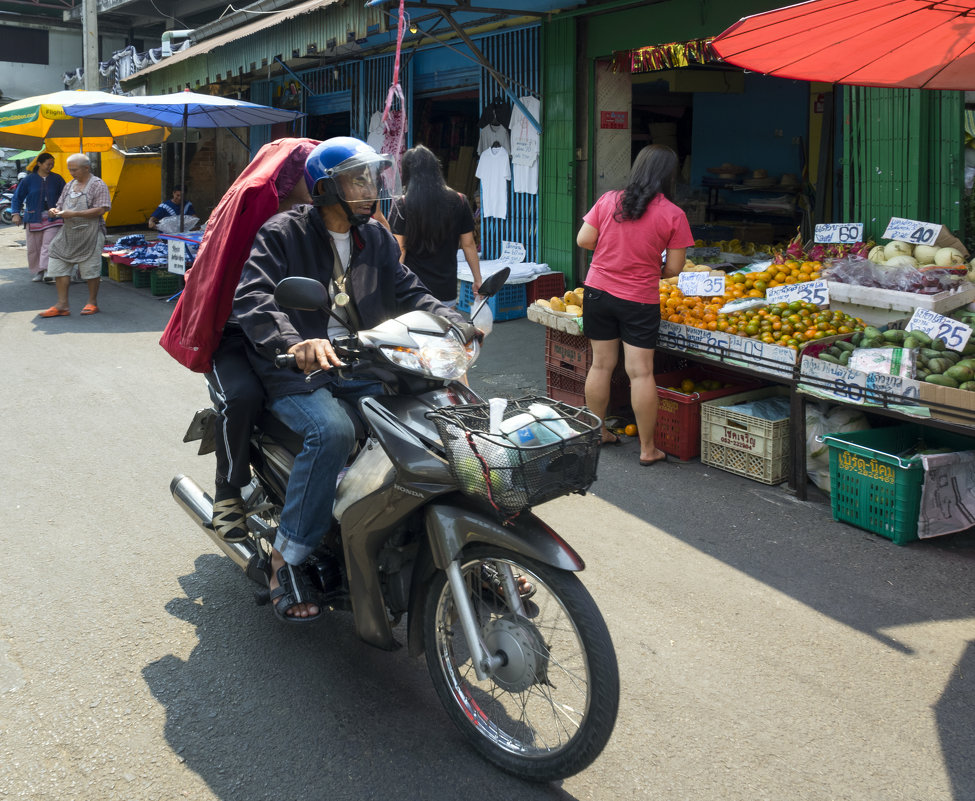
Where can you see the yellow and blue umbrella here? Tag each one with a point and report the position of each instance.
(41, 122)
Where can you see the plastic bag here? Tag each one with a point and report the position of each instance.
(170, 225)
(822, 419)
(927, 280)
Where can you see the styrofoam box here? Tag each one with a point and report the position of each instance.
(878, 306)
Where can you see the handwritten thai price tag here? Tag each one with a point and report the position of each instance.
(838, 233)
(176, 261)
(913, 231)
(701, 283)
(816, 292)
(953, 333)
(833, 380)
(512, 253)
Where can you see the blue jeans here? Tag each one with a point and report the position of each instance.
(329, 436)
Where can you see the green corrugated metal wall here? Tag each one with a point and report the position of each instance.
(902, 156)
(557, 223)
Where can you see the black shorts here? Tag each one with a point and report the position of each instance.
(605, 316)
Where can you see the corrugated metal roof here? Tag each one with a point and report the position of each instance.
(230, 61)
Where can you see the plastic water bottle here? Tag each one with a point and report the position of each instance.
(524, 430)
(553, 421)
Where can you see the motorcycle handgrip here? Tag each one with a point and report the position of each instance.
(286, 360)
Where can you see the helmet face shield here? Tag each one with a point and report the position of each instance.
(359, 183)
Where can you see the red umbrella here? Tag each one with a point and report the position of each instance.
(913, 44)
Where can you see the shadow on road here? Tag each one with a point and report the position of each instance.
(308, 712)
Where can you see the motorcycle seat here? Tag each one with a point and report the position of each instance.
(293, 442)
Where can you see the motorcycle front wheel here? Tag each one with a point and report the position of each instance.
(549, 709)
(7, 216)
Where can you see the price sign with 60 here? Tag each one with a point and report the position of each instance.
(953, 333)
(816, 292)
(701, 283)
(843, 233)
(913, 231)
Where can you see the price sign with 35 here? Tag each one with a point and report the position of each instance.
(701, 283)
(953, 333)
(913, 231)
(816, 292)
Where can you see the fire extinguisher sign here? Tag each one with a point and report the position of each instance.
(614, 120)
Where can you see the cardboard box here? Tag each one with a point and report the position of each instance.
(951, 405)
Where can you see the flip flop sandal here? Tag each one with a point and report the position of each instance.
(228, 520)
(492, 582)
(294, 589)
(90, 308)
(54, 311)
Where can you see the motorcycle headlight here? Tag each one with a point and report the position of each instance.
(437, 357)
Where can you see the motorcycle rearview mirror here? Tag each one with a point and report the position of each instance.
(492, 284)
(297, 292)
(488, 289)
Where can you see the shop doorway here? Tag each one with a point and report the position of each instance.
(447, 124)
(325, 126)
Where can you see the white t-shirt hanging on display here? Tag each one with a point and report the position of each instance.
(376, 133)
(525, 147)
(494, 171)
(491, 134)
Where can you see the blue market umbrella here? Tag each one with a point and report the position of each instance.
(184, 110)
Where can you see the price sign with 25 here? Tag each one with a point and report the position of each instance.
(953, 333)
(701, 283)
(816, 292)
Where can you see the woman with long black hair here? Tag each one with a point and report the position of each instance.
(629, 232)
(430, 221)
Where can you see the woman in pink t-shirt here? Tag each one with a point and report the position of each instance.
(629, 232)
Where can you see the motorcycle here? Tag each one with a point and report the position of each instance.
(6, 198)
(432, 520)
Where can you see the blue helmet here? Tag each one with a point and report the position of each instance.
(332, 158)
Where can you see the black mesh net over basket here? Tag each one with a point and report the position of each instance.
(513, 477)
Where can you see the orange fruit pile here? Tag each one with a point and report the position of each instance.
(787, 324)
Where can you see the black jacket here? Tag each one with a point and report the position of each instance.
(297, 243)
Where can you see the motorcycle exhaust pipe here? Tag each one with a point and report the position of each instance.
(199, 506)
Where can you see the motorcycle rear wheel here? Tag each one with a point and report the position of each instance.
(549, 711)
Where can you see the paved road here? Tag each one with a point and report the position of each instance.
(766, 651)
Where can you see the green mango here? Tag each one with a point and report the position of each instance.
(942, 381)
(921, 373)
(967, 363)
(968, 386)
(952, 356)
(923, 338)
(960, 373)
(938, 365)
(856, 338)
(929, 353)
(969, 349)
(895, 335)
(911, 342)
(872, 333)
(937, 344)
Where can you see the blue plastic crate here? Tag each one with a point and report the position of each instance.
(509, 304)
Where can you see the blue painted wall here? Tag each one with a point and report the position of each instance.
(741, 128)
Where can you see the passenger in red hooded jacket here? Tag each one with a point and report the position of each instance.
(202, 334)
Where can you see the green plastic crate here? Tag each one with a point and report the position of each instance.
(875, 489)
(141, 279)
(164, 282)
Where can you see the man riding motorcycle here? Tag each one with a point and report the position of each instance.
(334, 241)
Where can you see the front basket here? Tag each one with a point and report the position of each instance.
(513, 477)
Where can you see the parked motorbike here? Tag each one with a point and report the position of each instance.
(6, 198)
(432, 520)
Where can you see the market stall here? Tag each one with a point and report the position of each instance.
(772, 331)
